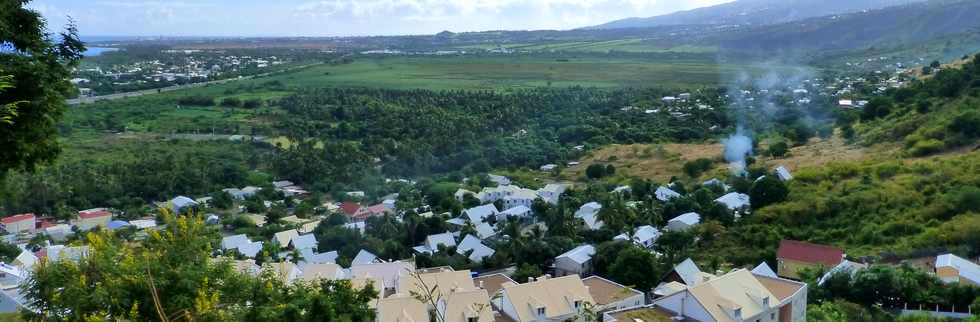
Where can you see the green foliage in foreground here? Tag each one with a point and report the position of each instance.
(172, 274)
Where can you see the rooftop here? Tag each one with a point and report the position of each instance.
(605, 291)
(17, 218)
(805, 252)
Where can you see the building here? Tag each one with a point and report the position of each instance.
(687, 273)
(664, 194)
(545, 299)
(23, 223)
(739, 296)
(783, 174)
(432, 243)
(284, 237)
(644, 236)
(474, 244)
(577, 261)
(552, 192)
(89, 219)
(736, 202)
(609, 295)
(683, 222)
(954, 269)
(793, 256)
(519, 212)
(402, 308)
(589, 213)
(328, 271)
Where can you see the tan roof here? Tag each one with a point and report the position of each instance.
(493, 282)
(283, 270)
(556, 295)
(402, 308)
(604, 291)
(388, 273)
(283, 237)
(737, 289)
(462, 305)
(259, 220)
(646, 314)
(313, 272)
(309, 227)
(446, 280)
(781, 288)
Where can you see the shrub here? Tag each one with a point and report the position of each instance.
(778, 149)
(231, 102)
(696, 167)
(196, 100)
(252, 103)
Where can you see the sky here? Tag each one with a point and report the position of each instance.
(317, 18)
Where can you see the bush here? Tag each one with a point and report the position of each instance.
(252, 103)
(599, 171)
(967, 123)
(767, 191)
(926, 147)
(778, 149)
(696, 167)
(231, 102)
(876, 108)
(196, 100)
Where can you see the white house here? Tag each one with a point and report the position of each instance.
(432, 243)
(472, 243)
(304, 242)
(180, 203)
(609, 295)
(683, 222)
(664, 194)
(736, 202)
(552, 192)
(644, 236)
(461, 194)
(783, 174)
(364, 257)
(739, 296)
(499, 180)
(577, 261)
(520, 197)
(478, 214)
(589, 213)
(548, 167)
(954, 269)
(519, 212)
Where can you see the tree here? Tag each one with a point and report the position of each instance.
(595, 171)
(767, 191)
(778, 149)
(275, 213)
(524, 271)
(635, 267)
(39, 77)
(222, 200)
(695, 168)
(876, 108)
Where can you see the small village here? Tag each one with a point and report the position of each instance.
(568, 290)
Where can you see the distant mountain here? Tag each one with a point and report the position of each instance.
(755, 12)
(892, 25)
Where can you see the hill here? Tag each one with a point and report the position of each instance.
(754, 12)
(899, 24)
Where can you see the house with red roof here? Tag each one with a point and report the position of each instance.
(350, 208)
(89, 219)
(367, 212)
(18, 223)
(794, 256)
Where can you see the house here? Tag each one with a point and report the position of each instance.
(328, 271)
(364, 213)
(143, 223)
(552, 192)
(311, 257)
(402, 308)
(783, 174)
(521, 211)
(623, 190)
(589, 213)
(389, 274)
(303, 242)
(285, 271)
(646, 313)
(687, 273)
(25, 260)
(284, 237)
(251, 249)
(845, 267)
(683, 222)
(355, 194)
(792, 256)
(545, 299)
(55, 253)
(954, 269)
(739, 296)
(59, 232)
(715, 182)
(644, 236)
(242, 244)
(609, 295)
(12, 301)
(735, 202)
(350, 208)
(499, 180)
(364, 257)
(474, 244)
(22, 223)
(477, 215)
(548, 167)
(466, 305)
(493, 283)
(87, 220)
(521, 197)
(181, 203)
(577, 261)
(432, 243)
(763, 269)
(235, 193)
(664, 194)
(440, 281)
(11, 276)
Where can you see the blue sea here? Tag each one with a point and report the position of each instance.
(95, 51)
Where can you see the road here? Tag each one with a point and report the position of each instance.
(92, 99)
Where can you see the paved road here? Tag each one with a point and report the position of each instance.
(92, 99)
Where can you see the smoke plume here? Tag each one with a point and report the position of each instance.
(737, 147)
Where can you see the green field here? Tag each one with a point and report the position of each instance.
(497, 73)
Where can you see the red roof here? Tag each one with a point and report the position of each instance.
(16, 218)
(805, 252)
(377, 209)
(94, 214)
(350, 208)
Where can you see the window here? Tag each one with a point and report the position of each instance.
(540, 311)
(772, 316)
(471, 319)
(578, 304)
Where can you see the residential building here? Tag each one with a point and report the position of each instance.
(432, 243)
(845, 267)
(793, 256)
(577, 261)
(545, 299)
(954, 269)
(589, 213)
(304, 243)
(552, 192)
(181, 203)
(389, 274)
(683, 222)
(519, 212)
(89, 219)
(328, 271)
(687, 273)
(402, 308)
(474, 244)
(609, 295)
(646, 313)
(644, 236)
(22, 223)
(364, 257)
(284, 237)
(783, 174)
(461, 194)
(739, 296)
(493, 283)
(664, 194)
(520, 197)
(737, 203)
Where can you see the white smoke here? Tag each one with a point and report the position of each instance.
(738, 146)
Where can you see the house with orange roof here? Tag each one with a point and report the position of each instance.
(22, 223)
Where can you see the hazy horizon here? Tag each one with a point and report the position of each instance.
(338, 18)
